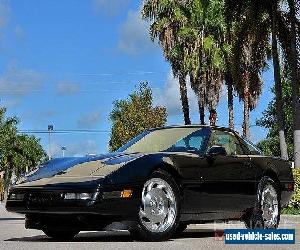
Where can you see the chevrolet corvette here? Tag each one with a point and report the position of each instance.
(155, 185)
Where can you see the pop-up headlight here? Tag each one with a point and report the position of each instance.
(16, 197)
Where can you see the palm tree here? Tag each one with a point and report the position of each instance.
(230, 85)
(197, 87)
(293, 62)
(277, 23)
(229, 81)
(249, 60)
(205, 48)
(278, 87)
(288, 35)
(189, 33)
(167, 18)
(260, 17)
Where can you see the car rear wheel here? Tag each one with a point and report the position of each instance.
(158, 217)
(266, 214)
(60, 235)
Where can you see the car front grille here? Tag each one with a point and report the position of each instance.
(43, 199)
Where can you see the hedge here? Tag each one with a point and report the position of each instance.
(293, 207)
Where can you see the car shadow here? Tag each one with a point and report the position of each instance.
(199, 233)
(119, 236)
(82, 237)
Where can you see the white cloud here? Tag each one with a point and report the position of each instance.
(89, 120)
(110, 8)
(4, 13)
(80, 148)
(134, 34)
(39, 118)
(67, 88)
(19, 32)
(9, 103)
(19, 82)
(170, 97)
(45, 114)
(83, 148)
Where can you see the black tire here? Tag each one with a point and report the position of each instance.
(180, 229)
(140, 232)
(255, 219)
(60, 235)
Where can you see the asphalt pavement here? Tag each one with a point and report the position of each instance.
(13, 235)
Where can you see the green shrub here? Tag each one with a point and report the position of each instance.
(293, 207)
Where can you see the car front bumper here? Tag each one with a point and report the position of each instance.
(52, 201)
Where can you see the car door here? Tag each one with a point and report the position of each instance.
(228, 180)
(187, 157)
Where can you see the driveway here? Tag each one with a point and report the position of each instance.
(13, 235)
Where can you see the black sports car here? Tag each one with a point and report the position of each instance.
(157, 184)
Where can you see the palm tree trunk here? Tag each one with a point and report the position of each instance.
(278, 90)
(295, 84)
(201, 107)
(184, 100)
(196, 86)
(246, 129)
(212, 117)
(201, 112)
(229, 83)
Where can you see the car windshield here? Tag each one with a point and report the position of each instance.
(253, 150)
(192, 139)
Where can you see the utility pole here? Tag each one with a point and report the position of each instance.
(50, 129)
(63, 150)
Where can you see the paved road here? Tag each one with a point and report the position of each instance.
(14, 236)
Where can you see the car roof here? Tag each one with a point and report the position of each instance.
(201, 126)
(196, 126)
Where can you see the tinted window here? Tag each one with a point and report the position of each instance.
(133, 141)
(253, 150)
(228, 141)
(195, 142)
(168, 139)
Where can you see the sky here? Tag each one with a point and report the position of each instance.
(65, 62)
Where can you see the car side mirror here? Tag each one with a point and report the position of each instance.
(216, 150)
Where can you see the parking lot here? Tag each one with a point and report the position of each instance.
(13, 235)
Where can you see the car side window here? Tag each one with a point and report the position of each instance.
(194, 142)
(226, 140)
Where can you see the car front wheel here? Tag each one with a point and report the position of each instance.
(158, 217)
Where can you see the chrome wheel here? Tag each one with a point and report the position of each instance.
(269, 206)
(158, 210)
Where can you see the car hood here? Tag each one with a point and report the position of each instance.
(77, 169)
